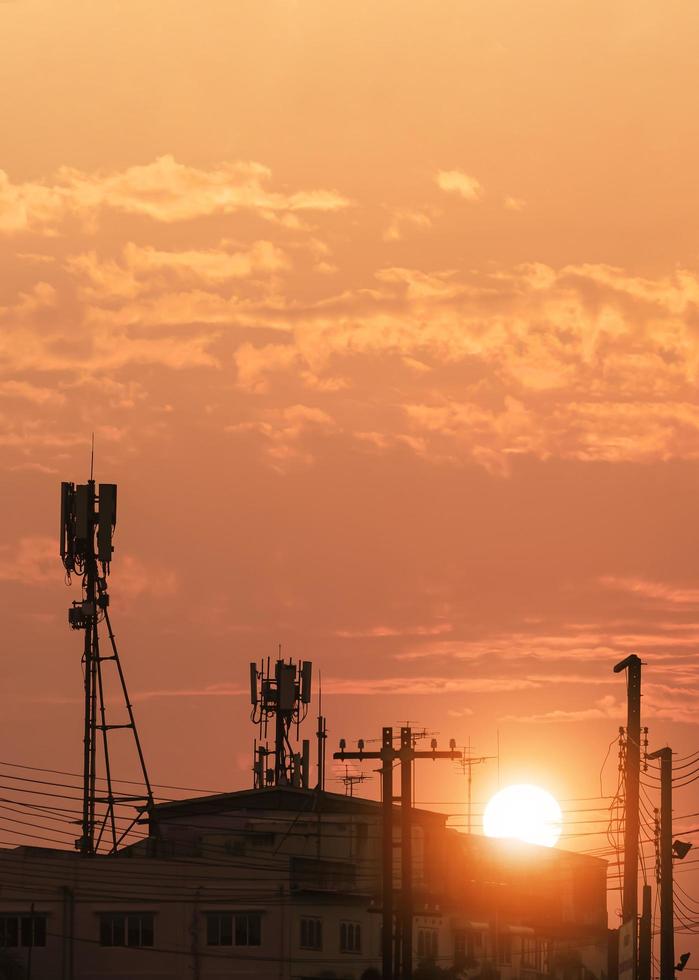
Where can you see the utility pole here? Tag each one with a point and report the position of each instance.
(667, 933)
(632, 776)
(406, 755)
(645, 936)
(387, 757)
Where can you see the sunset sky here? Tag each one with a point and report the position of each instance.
(385, 316)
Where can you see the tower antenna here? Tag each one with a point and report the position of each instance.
(280, 693)
(92, 458)
(88, 519)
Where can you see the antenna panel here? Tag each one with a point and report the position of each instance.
(108, 503)
(286, 683)
(306, 671)
(305, 762)
(83, 515)
(66, 538)
(107, 521)
(253, 683)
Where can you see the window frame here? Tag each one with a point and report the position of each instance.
(504, 957)
(234, 919)
(127, 929)
(427, 944)
(314, 942)
(21, 920)
(350, 936)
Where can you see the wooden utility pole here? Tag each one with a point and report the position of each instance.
(632, 777)
(406, 755)
(667, 928)
(645, 936)
(387, 756)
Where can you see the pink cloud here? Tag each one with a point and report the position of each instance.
(459, 183)
(163, 190)
(658, 591)
(606, 707)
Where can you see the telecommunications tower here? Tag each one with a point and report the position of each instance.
(280, 694)
(88, 519)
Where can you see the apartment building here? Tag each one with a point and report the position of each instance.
(284, 883)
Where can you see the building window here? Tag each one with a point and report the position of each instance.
(22, 930)
(504, 949)
(427, 944)
(534, 955)
(248, 928)
(126, 928)
(530, 959)
(311, 934)
(233, 929)
(350, 937)
(467, 944)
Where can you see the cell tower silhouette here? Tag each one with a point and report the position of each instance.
(88, 519)
(281, 694)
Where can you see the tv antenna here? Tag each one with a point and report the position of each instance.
(350, 780)
(88, 519)
(466, 764)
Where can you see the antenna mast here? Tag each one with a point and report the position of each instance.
(466, 764)
(88, 519)
(280, 695)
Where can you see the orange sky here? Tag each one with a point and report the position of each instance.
(385, 316)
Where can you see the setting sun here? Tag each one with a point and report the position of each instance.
(524, 812)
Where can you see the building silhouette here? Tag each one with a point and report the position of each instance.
(284, 882)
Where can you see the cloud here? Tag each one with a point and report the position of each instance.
(145, 269)
(587, 363)
(133, 577)
(255, 364)
(283, 431)
(27, 392)
(426, 685)
(460, 183)
(580, 363)
(393, 631)
(584, 646)
(33, 560)
(361, 686)
(606, 707)
(669, 595)
(405, 220)
(514, 204)
(221, 690)
(163, 190)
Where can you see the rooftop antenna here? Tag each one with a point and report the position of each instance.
(88, 520)
(466, 764)
(280, 693)
(350, 779)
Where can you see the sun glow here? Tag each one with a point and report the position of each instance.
(524, 812)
